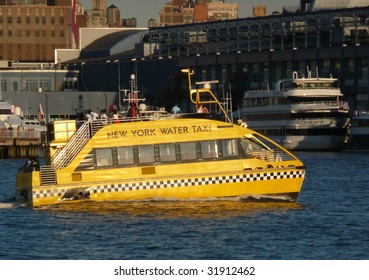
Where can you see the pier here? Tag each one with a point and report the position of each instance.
(20, 143)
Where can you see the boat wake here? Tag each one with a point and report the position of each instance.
(10, 204)
(265, 198)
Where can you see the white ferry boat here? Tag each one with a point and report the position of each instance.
(175, 157)
(300, 113)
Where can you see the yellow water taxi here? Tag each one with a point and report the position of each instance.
(174, 157)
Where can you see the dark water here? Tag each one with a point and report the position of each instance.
(329, 221)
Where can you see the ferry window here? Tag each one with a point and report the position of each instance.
(104, 157)
(250, 148)
(230, 148)
(146, 154)
(167, 152)
(125, 155)
(188, 151)
(209, 149)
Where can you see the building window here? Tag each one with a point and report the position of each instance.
(37, 20)
(61, 20)
(28, 20)
(70, 84)
(363, 76)
(10, 20)
(31, 85)
(3, 85)
(46, 85)
(9, 33)
(350, 69)
(15, 86)
(19, 20)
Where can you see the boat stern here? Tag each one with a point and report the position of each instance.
(25, 181)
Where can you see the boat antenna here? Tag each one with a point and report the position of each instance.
(201, 95)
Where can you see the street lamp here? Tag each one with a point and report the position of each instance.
(83, 81)
(119, 102)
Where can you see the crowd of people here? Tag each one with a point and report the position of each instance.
(132, 112)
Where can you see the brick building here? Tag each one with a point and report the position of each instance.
(30, 32)
(178, 12)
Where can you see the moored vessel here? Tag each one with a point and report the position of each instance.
(300, 113)
(176, 157)
(358, 138)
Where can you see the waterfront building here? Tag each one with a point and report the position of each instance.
(96, 18)
(178, 12)
(222, 11)
(259, 11)
(253, 53)
(98, 5)
(113, 16)
(31, 32)
(129, 22)
(242, 54)
(58, 90)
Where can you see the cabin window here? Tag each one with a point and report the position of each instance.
(188, 150)
(167, 152)
(125, 155)
(104, 157)
(249, 145)
(209, 149)
(230, 148)
(146, 154)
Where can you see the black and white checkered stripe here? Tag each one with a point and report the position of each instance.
(192, 182)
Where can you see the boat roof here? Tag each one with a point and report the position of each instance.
(313, 80)
(5, 104)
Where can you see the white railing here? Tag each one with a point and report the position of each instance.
(65, 155)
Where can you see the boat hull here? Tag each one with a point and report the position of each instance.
(283, 183)
(312, 134)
